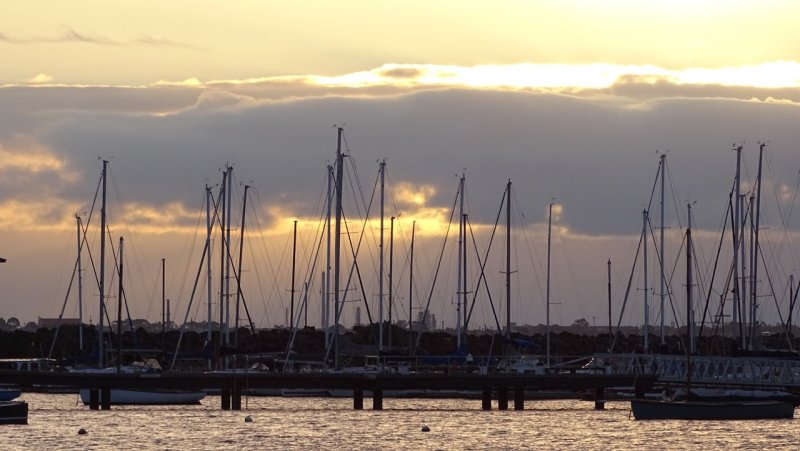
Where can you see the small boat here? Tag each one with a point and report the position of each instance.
(13, 412)
(149, 397)
(650, 409)
(150, 368)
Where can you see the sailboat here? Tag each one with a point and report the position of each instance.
(651, 409)
(151, 368)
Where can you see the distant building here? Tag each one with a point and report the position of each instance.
(424, 322)
(51, 323)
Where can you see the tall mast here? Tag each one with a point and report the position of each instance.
(163, 303)
(751, 256)
(547, 300)
(737, 298)
(690, 327)
(645, 331)
(743, 266)
(80, 287)
(208, 266)
(459, 288)
(411, 288)
(337, 245)
(222, 253)
(294, 257)
(689, 311)
(102, 287)
(464, 291)
(391, 267)
(610, 330)
(119, 311)
(380, 270)
(754, 283)
(326, 303)
(661, 246)
(239, 271)
(228, 205)
(508, 260)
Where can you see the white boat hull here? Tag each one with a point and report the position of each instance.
(143, 397)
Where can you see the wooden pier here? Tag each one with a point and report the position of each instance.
(232, 385)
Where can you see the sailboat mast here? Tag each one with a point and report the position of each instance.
(326, 303)
(102, 287)
(464, 291)
(80, 287)
(391, 268)
(610, 331)
(119, 310)
(222, 253)
(661, 249)
(645, 330)
(163, 303)
(754, 282)
(380, 270)
(736, 233)
(547, 299)
(690, 326)
(508, 260)
(239, 271)
(294, 265)
(208, 265)
(337, 245)
(743, 265)
(228, 205)
(411, 288)
(459, 288)
(689, 308)
(750, 307)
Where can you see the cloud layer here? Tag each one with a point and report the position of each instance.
(591, 147)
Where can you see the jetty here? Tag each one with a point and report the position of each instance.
(232, 385)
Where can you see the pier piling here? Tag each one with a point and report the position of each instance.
(377, 399)
(105, 398)
(358, 399)
(486, 399)
(519, 398)
(600, 398)
(236, 400)
(502, 398)
(94, 399)
(226, 398)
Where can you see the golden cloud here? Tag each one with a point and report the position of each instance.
(30, 160)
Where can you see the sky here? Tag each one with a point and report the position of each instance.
(574, 101)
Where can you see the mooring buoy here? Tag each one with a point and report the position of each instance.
(81, 431)
(248, 419)
(426, 429)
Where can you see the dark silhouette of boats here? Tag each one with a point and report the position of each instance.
(13, 412)
(650, 409)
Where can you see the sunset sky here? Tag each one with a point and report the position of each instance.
(571, 100)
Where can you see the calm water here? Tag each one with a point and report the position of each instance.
(305, 423)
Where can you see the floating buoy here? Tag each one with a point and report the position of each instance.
(81, 431)
(426, 429)
(248, 419)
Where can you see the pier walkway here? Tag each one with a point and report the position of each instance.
(232, 385)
